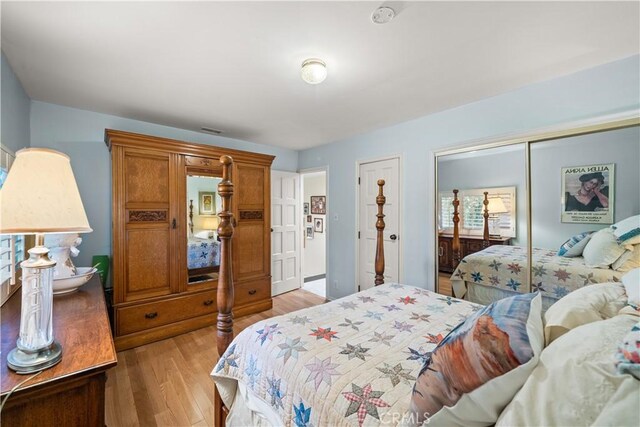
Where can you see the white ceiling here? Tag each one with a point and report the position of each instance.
(235, 66)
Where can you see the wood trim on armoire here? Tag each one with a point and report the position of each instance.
(151, 298)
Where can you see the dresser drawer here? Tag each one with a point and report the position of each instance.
(253, 291)
(473, 246)
(145, 316)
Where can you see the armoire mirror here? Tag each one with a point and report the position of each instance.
(203, 247)
(567, 182)
(495, 175)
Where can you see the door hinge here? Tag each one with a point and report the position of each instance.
(358, 288)
(358, 234)
(358, 180)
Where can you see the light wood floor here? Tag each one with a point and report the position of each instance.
(444, 282)
(167, 383)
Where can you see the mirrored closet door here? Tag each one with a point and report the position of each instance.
(580, 186)
(482, 222)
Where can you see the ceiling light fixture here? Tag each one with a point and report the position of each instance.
(383, 15)
(314, 71)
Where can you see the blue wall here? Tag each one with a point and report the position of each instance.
(607, 89)
(80, 134)
(14, 133)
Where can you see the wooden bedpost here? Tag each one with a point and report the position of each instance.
(191, 216)
(225, 278)
(455, 244)
(379, 264)
(485, 234)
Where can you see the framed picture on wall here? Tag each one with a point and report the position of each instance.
(318, 205)
(309, 219)
(206, 203)
(309, 232)
(588, 194)
(306, 209)
(318, 225)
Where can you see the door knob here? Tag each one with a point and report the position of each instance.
(393, 237)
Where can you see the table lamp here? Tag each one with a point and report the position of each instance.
(210, 223)
(39, 196)
(496, 206)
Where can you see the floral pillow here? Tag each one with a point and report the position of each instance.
(628, 356)
(479, 366)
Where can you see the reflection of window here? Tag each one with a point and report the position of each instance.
(11, 247)
(471, 210)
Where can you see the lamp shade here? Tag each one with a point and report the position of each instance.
(40, 195)
(210, 222)
(496, 205)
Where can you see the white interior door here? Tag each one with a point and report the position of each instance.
(285, 232)
(369, 174)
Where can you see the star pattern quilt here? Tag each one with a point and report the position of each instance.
(505, 267)
(202, 253)
(350, 362)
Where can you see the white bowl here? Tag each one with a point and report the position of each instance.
(70, 284)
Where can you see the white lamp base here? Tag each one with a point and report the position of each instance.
(26, 362)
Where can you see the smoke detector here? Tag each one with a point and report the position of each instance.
(382, 15)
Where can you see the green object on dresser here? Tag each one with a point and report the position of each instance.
(101, 262)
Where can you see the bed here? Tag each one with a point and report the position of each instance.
(350, 362)
(501, 271)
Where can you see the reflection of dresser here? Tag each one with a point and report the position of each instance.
(468, 245)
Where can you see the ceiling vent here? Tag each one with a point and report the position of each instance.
(211, 130)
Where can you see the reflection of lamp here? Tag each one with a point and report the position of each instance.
(40, 196)
(210, 223)
(496, 206)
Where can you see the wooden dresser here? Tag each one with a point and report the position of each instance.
(153, 297)
(468, 245)
(72, 392)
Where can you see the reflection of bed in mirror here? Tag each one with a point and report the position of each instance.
(203, 250)
(499, 271)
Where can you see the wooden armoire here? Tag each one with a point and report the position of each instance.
(152, 297)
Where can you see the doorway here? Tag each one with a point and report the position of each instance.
(314, 236)
(369, 172)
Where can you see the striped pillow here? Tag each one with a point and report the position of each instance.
(628, 231)
(575, 245)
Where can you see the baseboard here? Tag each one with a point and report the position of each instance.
(313, 278)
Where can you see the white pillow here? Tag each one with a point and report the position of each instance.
(576, 383)
(585, 305)
(627, 231)
(603, 249)
(204, 234)
(629, 260)
(631, 282)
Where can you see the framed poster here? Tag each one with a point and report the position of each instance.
(309, 232)
(319, 205)
(207, 203)
(318, 225)
(588, 194)
(309, 218)
(306, 208)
